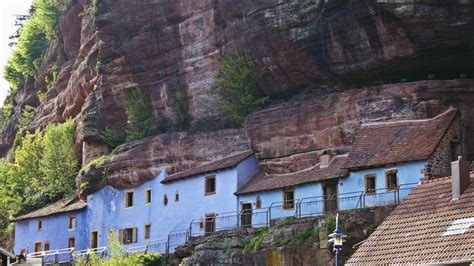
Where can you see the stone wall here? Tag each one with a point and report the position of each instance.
(439, 163)
(290, 242)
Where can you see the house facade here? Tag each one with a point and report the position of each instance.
(150, 211)
(387, 157)
(57, 226)
(308, 191)
(437, 225)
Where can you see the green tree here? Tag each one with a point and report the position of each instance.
(44, 167)
(240, 94)
(140, 120)
(59, 164)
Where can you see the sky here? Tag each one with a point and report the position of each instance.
(8, 10)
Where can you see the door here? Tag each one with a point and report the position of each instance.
(209, 223)
(330, 196)
(94, 239)
(246, 216)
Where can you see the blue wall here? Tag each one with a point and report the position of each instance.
(410, 172)
(106, 208)
(55, 230)
(309, 193)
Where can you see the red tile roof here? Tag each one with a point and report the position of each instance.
(428, 227)
(262, 181)
(398, 141)
(68, 204)
(227, 162)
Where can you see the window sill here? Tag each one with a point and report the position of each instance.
(209, 193)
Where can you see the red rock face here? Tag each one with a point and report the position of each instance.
(328, 121)
(298, 46)
(139, 161)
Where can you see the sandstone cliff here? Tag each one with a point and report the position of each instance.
(328, 66)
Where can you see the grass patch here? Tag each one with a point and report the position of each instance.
(256, 241)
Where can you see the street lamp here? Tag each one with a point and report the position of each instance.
(337, 238)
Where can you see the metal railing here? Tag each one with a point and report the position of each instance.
(246, 218)
(304, 207)
(53, 256)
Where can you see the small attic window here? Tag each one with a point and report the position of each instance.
(176, 196)
(258, 202)
(40, 225)
(148, 196)
(165, 200)
(129, 199)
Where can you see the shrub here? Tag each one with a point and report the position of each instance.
(182, 117)
(256, 241)
(140, 120)
(239, 91)
(113, 137)
(119, 257)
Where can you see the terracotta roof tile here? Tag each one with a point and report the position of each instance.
(415, 232)
(227, 162)
(398, 141)
(68, 204)
(261, 181)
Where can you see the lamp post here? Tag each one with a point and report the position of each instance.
(337, 238)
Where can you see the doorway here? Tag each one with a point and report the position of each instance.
(246, 215)
(330, 196)
(209, 223)
(94, 239)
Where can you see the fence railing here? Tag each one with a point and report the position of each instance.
(255, 217)
(304, 207)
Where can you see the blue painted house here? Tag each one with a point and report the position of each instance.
(57, 226)
(308, 191)
(153, 209)
(387, 155)
(387, 160)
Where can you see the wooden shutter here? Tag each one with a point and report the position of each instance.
(134, 235)
(121, 236)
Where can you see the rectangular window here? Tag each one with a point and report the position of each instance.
(72, 223)
(147, 231)
(46, 245)
(38, 247)
(370, 184)
(288, 198)
(94, 239)
(210, 185)
(148, 196)
(391, 178)
(176, 196)
(129, 199)
(40, 225)
(71, 242)
(128, 235)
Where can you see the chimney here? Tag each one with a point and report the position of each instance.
(324, 159)
(460, 172)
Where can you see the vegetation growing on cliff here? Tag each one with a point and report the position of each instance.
(33, 41)
(240, 94)
(140, 120)
(182, 117)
